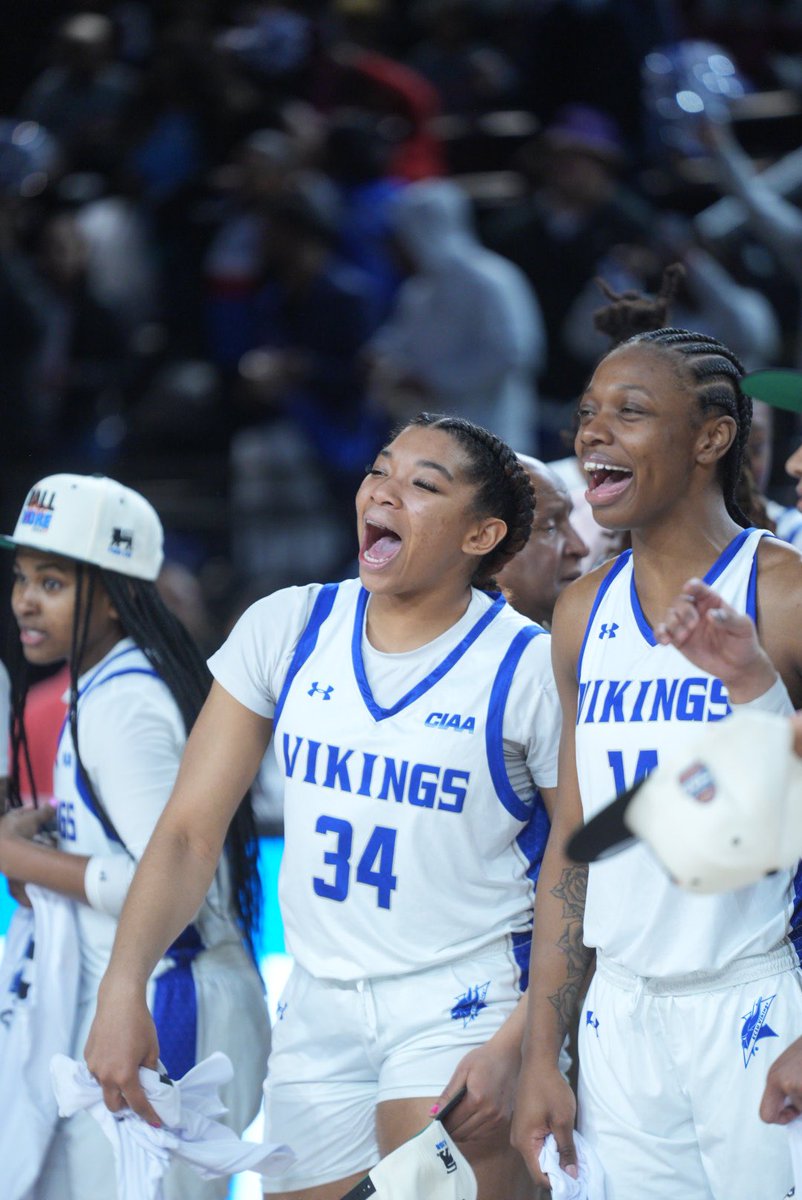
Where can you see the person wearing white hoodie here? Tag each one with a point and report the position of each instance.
(466, 335)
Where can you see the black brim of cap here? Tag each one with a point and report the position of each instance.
(606, 833)
(779, 388)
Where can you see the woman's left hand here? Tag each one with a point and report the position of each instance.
(25, 823)
(491, 1077)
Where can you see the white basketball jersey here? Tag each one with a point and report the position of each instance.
(403, 833)
(639, 701)
(82, 830)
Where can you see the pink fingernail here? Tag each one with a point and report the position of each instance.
(573, 1170)
(434, 1110)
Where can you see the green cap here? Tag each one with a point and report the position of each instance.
(779, 388)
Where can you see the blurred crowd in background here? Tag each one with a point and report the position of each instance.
(239, 241)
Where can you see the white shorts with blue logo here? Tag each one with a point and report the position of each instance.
(339, 1049)
(671, 1074)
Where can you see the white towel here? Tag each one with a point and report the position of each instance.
(190, 1132)
(38, 1003)
(590, 1184)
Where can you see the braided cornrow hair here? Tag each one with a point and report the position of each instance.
(503, 487)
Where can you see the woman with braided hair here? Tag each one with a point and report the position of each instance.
(692, 996)
(415, 718)
(87, 552)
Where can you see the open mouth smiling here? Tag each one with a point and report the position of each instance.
(380, 544)
(607, 481)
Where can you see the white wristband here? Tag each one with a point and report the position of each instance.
(775, 700)
(106, 881)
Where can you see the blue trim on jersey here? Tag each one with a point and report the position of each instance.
(719, 566)
(532, 839)
(83, 791)
(522, 952)
(727, 555)
(175, 1005)
(107, 663)
(751, 590)
(376, 711)
(494, 741)
(80, 782)
(324, 602)
(616, 569)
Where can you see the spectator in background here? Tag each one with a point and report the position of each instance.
(466, 335)
(533, 579)
(577, 210)
(234, 261)
(775, 220)
(122, 266)
(471, 75)
(397, 96)
(314, 313)
(356, 155)
(80, 369)
(707, 297)
(84, 93)
(305, 428)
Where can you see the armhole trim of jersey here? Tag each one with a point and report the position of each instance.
(80, 779)
(751, 589)
(494, 730)
(324, 602)
(615, 570)
(727, 555)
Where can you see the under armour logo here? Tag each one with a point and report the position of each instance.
(608, 630)
(592, 1020)
(281, 1008)
(324, 691)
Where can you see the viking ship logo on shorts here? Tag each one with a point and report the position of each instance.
(755, 1027)
(470, 1004)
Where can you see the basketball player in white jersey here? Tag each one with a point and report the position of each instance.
(87, 553)
(692, 996)
(414, 716)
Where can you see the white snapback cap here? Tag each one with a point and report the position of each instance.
(427, 1167)
(719, 815)
(92, 519)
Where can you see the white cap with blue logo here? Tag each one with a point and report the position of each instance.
(94, 520)
(719, 815)
(429, 1164)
